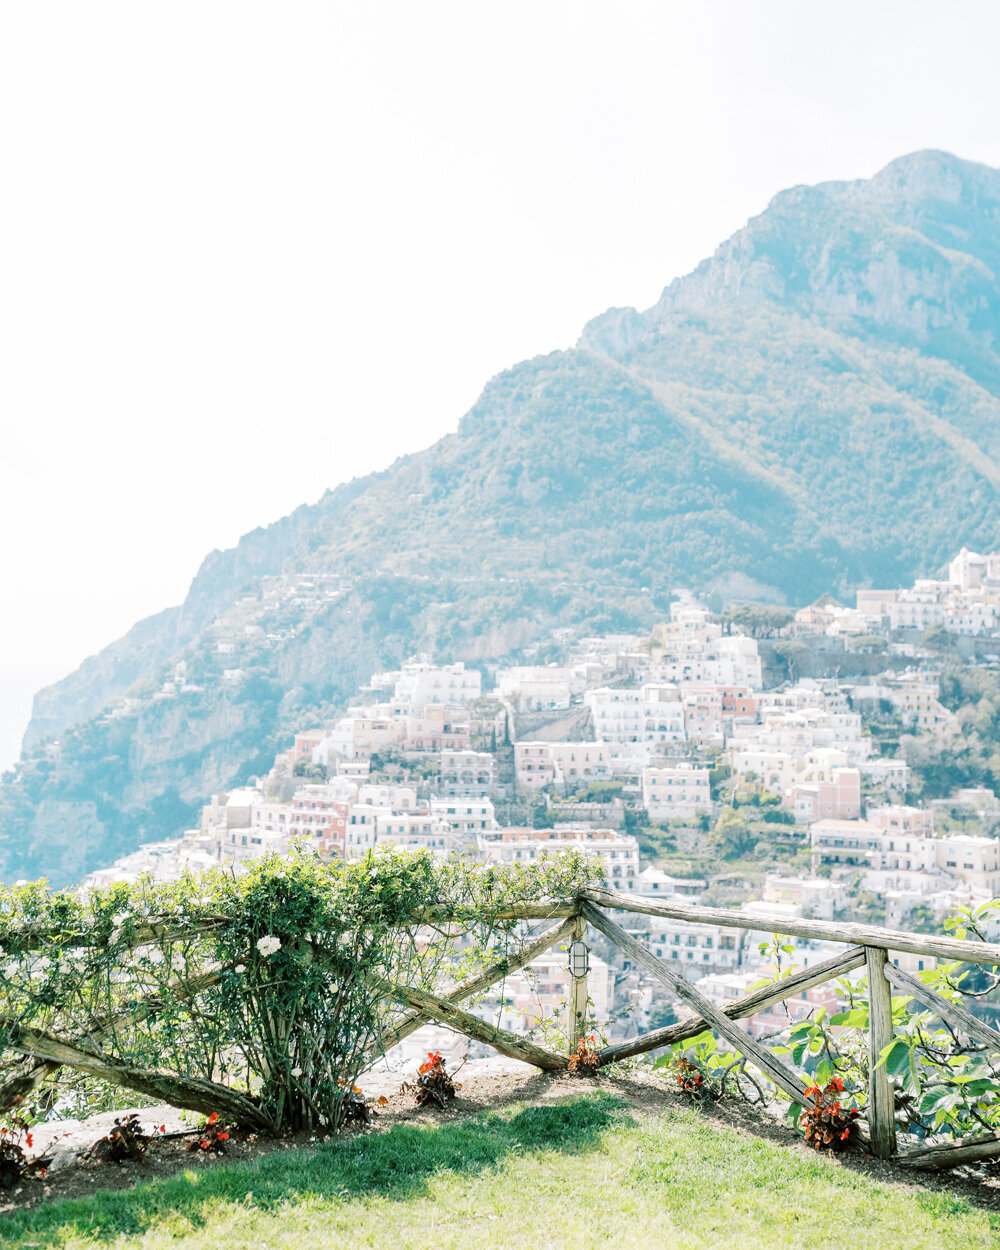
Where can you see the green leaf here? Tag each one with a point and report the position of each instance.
(855, 1019)
(940, 1100)
(895, 1057)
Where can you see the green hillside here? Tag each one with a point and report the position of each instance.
(816, 407)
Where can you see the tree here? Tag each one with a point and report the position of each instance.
(790, 653)
(759, 620)
(732, 837)
(867, 642)
(937, 638)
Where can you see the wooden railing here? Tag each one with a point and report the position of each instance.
(865, 947)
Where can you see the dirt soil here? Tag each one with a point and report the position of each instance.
(486, 1084)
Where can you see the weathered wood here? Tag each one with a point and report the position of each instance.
(578, 996)
(543, 909)
(455, 1017)
(22, 1079)
(27, 1074)
(483, 980)
(952, 1154)
(769, 1064)
(950, 949)
(959, 1017)
(881, 1099)
(194, 1093)
(166, 931)
(749, 1005)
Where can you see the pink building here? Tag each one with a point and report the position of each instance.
(739, 707)
(702, 710)
(838, 798)
(913, 821)
(438, 727)
(318, 815)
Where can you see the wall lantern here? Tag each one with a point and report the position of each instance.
(579, 959)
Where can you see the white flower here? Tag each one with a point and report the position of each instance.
(12, 969)
(116, 934)
(296, 1071)
(240, 968)
(268, 945)
(120, 919)
(155, 957)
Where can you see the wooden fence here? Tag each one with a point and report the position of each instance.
(865, 947)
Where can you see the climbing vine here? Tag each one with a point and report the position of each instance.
(260, 996)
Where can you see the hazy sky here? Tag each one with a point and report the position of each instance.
(250, 250)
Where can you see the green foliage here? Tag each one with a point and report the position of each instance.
(790, 651)
(277, 982)
(938, 638)
(757, 620)
(944, 1087)
(732, 837)
(867, 642)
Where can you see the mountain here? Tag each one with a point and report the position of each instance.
(815, 407)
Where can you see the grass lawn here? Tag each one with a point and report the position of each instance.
(582, 1171)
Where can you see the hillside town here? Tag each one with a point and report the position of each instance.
(693, 760)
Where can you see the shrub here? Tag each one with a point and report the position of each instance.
(275, 985)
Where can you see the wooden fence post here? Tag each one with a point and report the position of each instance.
(577, 993)
(881, 1100)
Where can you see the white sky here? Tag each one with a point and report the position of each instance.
(249, 250)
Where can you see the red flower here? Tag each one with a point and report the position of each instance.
(213, 1117)
(222, 1136)
(28, 1140)
(163, 1128)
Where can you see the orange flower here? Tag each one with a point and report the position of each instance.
(383, 1101)
(222, 1136)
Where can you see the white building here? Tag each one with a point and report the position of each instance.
(539, 688)
(619, 851)
(646, 715)
(682, 790)
(467, 774)
(465, 816)
(539, 764)
(420, 683)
